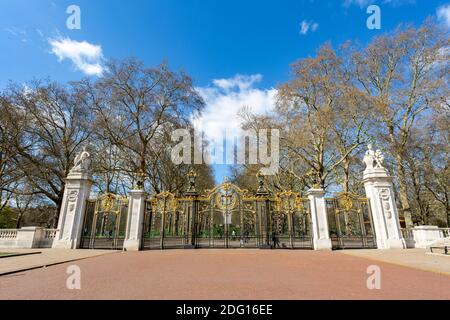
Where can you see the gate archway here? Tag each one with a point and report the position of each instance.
(105, 222)
(227, 218)
(350, 222)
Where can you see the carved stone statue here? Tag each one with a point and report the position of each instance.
(373, 159)
(82, 162)
(369, 157)
(379, 159)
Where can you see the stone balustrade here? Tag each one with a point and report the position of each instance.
(445, 232)
(27, 238)
(424, 236)
(8, 234)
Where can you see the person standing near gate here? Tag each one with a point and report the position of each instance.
(274, 240)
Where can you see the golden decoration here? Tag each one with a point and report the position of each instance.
(164, 202)
(288, 202)
(346, 201)
(111, 202)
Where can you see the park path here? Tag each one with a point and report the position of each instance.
(226, 274)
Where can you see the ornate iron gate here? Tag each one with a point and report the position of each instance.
(227, 218)
(165, 223)
(350, 222)
(105, 222)
(290, 222)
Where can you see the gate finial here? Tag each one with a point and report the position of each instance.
(192, 176)
(261, 186)
(140, 180)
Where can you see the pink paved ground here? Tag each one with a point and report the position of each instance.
(229, 274)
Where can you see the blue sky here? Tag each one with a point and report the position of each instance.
(210, 39)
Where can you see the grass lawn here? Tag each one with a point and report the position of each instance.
(3, 255)
(16, 254)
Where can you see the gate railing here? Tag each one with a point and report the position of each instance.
(227, 217)
(350, 222)
(164, 222)
(291, 221)
(105, 222)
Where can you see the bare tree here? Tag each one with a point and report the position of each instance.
(136, 109)
(319, 107)
(405, 72)
(49, 124)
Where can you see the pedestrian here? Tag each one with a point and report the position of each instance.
(274, 240)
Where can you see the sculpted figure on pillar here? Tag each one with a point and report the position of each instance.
(379, 159)
(373, 159)
(82, 162)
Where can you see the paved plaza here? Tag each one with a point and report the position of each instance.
(28, 259)
(234, 274)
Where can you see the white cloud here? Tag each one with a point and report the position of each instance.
(85, 56)
(305, 26)
(443, 14)
(242, 82)
(365, 3)
(16, 32)
(224, 100)
(360, 3)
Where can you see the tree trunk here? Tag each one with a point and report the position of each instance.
(406, 208)
(447, 208)
(19, 220)
(448, 215)
(346, 176)
(55, 219)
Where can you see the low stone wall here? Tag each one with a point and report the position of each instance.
(27, 238)
(424, 236)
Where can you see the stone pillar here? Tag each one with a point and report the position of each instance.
(380, 192)
(73, 208)
(318, 207)
(135, 220)
(71, 217)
